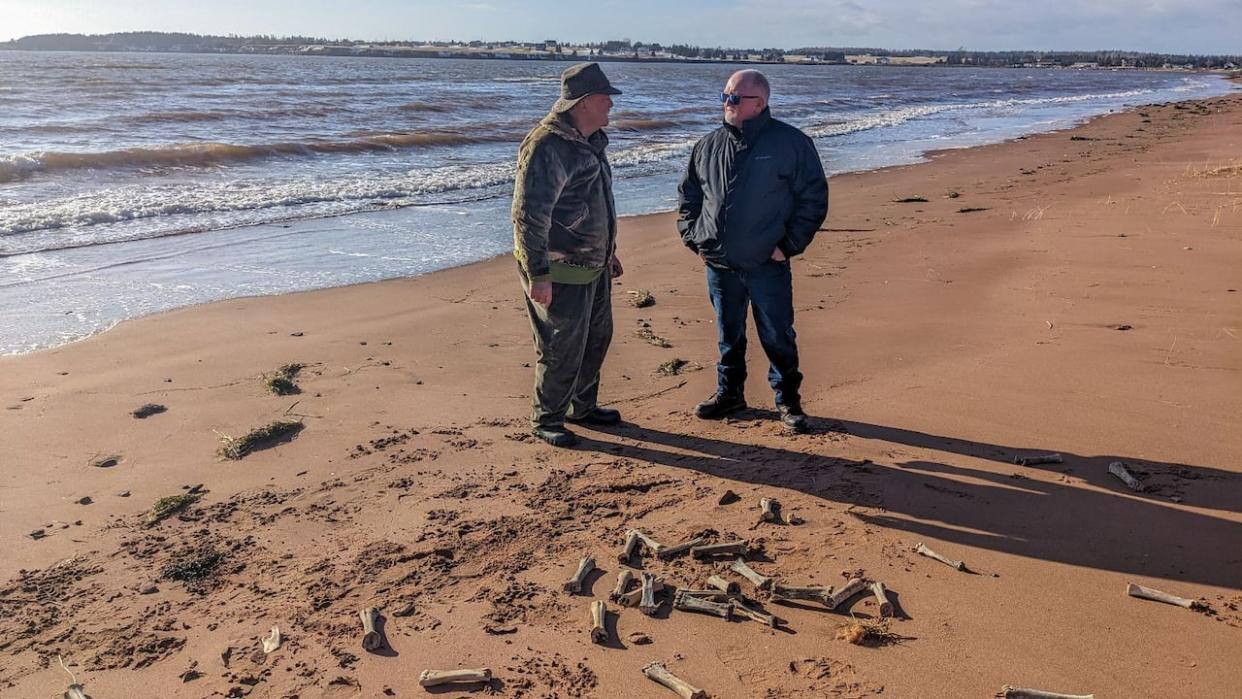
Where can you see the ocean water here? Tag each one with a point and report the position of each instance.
(136, 183)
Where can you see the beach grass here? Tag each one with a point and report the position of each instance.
(281, 381)
(168, 506)
(269, 435)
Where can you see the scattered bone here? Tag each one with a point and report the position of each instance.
(851, 588)
(759, 581)
(769, 510)
(1158, 596)
(585, 566)
(633, 540)
(727, 548)
(75, 691)
(371, 639)
(1118, 469)
(794, 519)
(689, 603)
(881, 598)
(669, 552)
(652, 545)
(1020, 693)
(1038, 459)
(599, 611)
(660, 674)
(924, 551)
(741, 609)
(624, 578)
(823, 595)
(726, 586)
(433, 678)
(634, 598)
(647, 602)
(708, 594)
(272, 642)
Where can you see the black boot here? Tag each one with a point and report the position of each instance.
(720, 405)
(556, 436)
(597, 416)
(792, 417)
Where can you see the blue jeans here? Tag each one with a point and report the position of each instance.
(768, 289)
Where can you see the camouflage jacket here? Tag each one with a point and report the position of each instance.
(563, 210)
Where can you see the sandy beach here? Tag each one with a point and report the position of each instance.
(1076, 293)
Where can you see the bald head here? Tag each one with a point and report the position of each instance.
(752, 91)
(751, 79)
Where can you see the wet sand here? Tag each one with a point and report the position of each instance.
(1074, 293)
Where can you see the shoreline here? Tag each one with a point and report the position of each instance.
(310, 222)
(1079, 295)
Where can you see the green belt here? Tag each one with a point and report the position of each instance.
(562, 273)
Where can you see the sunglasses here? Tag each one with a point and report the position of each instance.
(735, 99)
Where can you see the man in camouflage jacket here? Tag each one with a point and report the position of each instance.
(564, 238)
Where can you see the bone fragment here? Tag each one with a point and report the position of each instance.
(75, 691)
(674, 551)
(727, 586)
(660, 674)
(1158, 596)
(371, 639)
(635, 597)
(1118, 469)
(850, 589)
(652, 545)
(727, 548)
(759, 581)
(432, 678)
(1020, 693)
(708, 594)
(741, 609)
(1037, 460)
(924, 551)
(599, 634)
(768, 510)
(633, 540)
(624, 578)
(690, 603)
(272, 642)
(823, 595)
(585, 566)
(647, 602)
(881, 598)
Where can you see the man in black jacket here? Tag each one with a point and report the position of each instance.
(753, 196)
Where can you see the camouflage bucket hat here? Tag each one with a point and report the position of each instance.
(582, 80)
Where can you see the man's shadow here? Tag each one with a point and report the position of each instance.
(1086, 518)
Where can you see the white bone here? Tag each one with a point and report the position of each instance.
(1037, 460)
(727, 586)
(1158, 596)
(432, 678)
(753, 614)
(881, 598)
(272, 642)
(599, 611)
(370, 637)
(1020, 693)
(823, 595)
(585, 566)
(633, 540)
(851, 588)
(762, 582)
(660, 674)
(624, 578)
(729, 548)
(768, 508)
(673, 551)
(647, 602)
(690, 603)
(1119, 470)
(924, 551)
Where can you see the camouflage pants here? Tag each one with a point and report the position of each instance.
(571, 340)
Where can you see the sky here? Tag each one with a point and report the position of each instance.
(1166, 26)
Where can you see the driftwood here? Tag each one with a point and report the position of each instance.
(1119, 470)
(881, 598)
(624, 578)
(633, 540)
(690, 603)
(1037, 460)
(272, 642)
(759, 581)
(660, 674)
(924, 551)
(727, 548)
(1158, 596)
(371, 639)
(585, 566)
(741, 609)
(726, 586)
(432, 678)
(599, 634)
(674, 551)
(1020, 693)
(769, 510)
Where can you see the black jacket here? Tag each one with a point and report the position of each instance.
(748, 191)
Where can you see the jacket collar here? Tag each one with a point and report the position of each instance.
(560, 124)
(751, 128)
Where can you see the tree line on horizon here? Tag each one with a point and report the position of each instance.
(199, 43)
